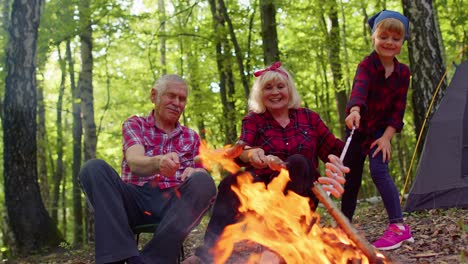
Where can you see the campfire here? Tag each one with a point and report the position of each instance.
(282, 222)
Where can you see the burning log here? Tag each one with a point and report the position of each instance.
(344, 223)
(283, 222)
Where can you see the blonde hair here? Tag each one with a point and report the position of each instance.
(255, 99)
(390, 24)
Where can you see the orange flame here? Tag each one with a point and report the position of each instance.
(282, 222)
(214, 158)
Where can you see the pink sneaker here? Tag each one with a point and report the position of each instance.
(393, 237)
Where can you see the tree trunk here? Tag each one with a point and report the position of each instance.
(85, 86)
(335, 65)
(346, 80)
(323, 93)
(32, 227)
(5, 26)
(226, 78)
(198, 98)
(42, 144)
(269, 34)
(77, 151)
(85, 82)
(162, 38)
(424, 53)
(193, 66)
(64, 206)
(58, 174)
(237, 49)
(365, 27)
(248, 66)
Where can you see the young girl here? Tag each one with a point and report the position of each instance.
(376, 108)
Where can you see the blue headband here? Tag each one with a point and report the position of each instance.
(375, 20)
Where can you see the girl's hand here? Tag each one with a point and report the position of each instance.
(383, 144)
(353, 119)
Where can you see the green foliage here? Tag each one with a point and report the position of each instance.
(127, 60)
(453, 23)
(67, 247)
(463, 226)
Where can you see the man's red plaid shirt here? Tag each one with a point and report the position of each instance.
(143, 131)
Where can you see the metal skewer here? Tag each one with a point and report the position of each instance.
(345, 149)
(348, 141)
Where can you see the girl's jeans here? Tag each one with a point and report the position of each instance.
(380, 176)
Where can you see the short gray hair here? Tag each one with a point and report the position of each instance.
(161, 84)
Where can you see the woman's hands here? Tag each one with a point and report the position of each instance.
(335, 172)
(257, 158)
(334, 169)
(275, 163)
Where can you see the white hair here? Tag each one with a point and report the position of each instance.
(161, 84)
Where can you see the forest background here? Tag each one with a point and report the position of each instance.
(94, 62)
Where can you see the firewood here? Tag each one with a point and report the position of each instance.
(345, 225)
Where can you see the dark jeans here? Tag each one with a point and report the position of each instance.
(119, 206)
(302, 174)
(355, 159)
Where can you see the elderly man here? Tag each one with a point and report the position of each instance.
(160, 183)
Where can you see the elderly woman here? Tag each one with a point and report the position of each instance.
(277, 132)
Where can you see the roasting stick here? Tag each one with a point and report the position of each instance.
(345, 149)
(341, 219)
(345, 225)
(346, 146)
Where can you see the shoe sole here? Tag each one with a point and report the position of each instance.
(411, 240)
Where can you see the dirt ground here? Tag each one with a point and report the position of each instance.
(441, 236)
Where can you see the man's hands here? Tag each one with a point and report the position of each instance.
(335, 171)
(166, 165)
(189, 171)
(142, 165)
(169, 164)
